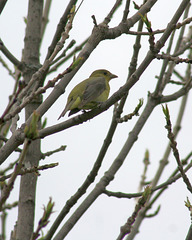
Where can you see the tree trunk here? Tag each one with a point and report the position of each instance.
(26, 209)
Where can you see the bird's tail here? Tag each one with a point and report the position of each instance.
(63, 113)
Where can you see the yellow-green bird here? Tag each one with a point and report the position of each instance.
(89, 93)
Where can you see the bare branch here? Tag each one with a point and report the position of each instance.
(7, 189)
(174, 148)
(10, 56)
(33, 169)
(60, 27)
(45, 19)
(2, 5)
(113, 10)
(5, 65)
(126, 228)
(126, 11)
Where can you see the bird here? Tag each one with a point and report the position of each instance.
(89, 93)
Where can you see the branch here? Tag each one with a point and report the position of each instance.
(126, 11)
(45, 19)
(2, 5)
(189, 234)
(10, 206)
(94, 40)
(47, 154)
(181, 92)
(88, 181)
(64, 35)
(144, 174)
(39, 75)
(51, 83)
(10, 56)
(7, 189)
(126, 229)
(161, 187)
(48, 210)
(21, 85)
(113, 10)
(60, 27)
(33, 169)
(174, 148)
(5, 65)
(63, 54)
(71, 54)
(131, 115)
(176, 60)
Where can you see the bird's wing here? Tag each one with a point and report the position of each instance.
(93, 90)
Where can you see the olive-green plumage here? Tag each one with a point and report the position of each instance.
(89, 93)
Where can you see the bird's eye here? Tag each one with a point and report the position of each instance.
(105, 73)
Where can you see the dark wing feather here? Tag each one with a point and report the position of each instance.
(93, 90)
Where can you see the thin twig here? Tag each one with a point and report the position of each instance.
(176, 60)
(10, 56)
(5, 65)
(61, 25)
(45, 19)
(33, 169)
(47, 211)
(146, 164)
(47, 154)
(172, 179)
(110, 15)
(131, 115)
(2, 5)
(7, 189)
(174, 148)
(126, 228)
(126, 11)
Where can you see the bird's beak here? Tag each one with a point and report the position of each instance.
(113, 76)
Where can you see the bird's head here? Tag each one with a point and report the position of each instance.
(103, 73)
